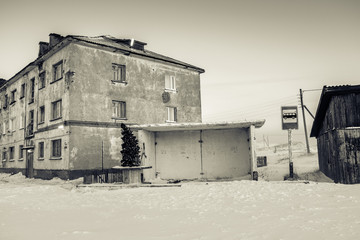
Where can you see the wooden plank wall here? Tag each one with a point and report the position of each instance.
(339, 155)
(339, 141)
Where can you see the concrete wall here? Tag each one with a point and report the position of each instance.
(86, 147)
(226, 153)
(147, 146)
(86, 91)
(52, 91)
(92, 90)
(179, 154)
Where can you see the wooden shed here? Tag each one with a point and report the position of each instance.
(337, 130)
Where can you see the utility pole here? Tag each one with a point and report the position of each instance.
(305, 129)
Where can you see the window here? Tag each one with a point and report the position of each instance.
(41, 115)
(12, 97)
(58, 71)
(12, 124)
(56, 110)
(4, 128)
(5, 101)
(32, 90)
(171, 114)
(41, 150)
(22, 91)
(41, 80)
(30, 127)
(4, 156)
(21, 122)
(119, 72)
(56, 148)
(119, 109)
(21, 152)
(11, 153)
(170, 83)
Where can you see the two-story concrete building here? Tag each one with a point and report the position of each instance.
(61, 114)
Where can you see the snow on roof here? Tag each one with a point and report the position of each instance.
(197, 126)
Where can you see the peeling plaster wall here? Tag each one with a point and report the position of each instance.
(92, 90)
(52, 91)
(86, 147)
(148, 153)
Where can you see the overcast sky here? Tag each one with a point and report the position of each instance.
(256, 54)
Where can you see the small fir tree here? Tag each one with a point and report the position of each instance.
(130, 149)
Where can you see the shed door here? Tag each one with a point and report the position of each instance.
(178, 155)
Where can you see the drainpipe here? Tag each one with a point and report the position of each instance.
(156, 173)
(201, 155)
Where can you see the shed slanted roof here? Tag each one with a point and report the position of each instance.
(163, 127)
(327, 93)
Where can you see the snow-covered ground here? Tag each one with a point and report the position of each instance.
(56, 209)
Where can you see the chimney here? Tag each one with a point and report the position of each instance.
(2, 81)
(54, 39)
(43, 48)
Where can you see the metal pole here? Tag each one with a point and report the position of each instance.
(291, 167)
(102, 156)
(305, 129)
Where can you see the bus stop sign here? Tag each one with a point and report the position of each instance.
(289, 117)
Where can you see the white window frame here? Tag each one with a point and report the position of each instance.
(118, 109)
(22, 121)
(12, 124)
(171, 114)
(170, 83)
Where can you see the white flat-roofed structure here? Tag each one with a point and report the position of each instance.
(224, 150)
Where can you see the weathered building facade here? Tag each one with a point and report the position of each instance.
(61, 114)
(337, 129)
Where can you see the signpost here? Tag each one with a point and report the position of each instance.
(289, 120)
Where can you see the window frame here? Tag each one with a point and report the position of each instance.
(32, 90)
(4, 156)
(41, 117)
(120, 110)
(12, 125)
(119, 73)
(22, 91)
(22, 121)
(11, 153)
(13, 97)
(171, 114)
(42, 80)
(41, 151)
(56, 104)
(54, 70)
(170, 83)
(21, 152)
(56, 151)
